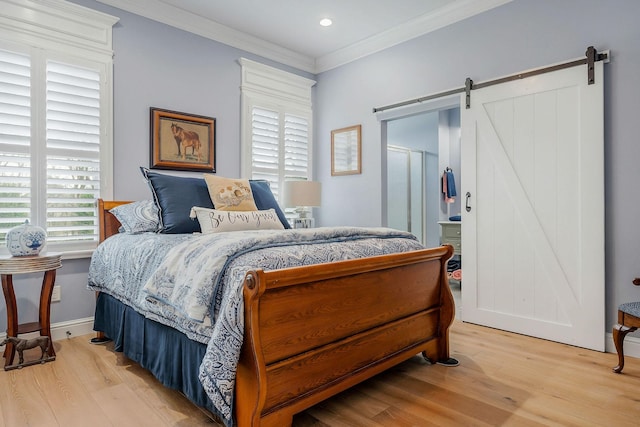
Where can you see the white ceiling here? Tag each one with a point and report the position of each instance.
(288, 31)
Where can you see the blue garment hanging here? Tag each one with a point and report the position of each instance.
(451, 184)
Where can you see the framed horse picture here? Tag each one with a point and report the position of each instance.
(181, 141)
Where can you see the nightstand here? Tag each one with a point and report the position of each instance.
(302, 223)
(9, 266)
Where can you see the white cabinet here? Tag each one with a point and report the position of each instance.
(451, 234)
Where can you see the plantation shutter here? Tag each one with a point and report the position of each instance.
(296, 147)
(15, 140)
(56, 111)
(60, 154)
(280, 147)
(276, 125)
(73, 152)
(265, 145)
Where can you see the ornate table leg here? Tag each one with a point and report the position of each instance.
(45, 307)
(12, 317)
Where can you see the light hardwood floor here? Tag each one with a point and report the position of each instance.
(503, 379)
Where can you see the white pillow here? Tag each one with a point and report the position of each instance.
(217, 221)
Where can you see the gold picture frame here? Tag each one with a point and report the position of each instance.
(346, 151)
(181, 141)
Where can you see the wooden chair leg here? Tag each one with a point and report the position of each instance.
(619, 332)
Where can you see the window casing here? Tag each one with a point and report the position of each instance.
(55, 122)
(277, 142)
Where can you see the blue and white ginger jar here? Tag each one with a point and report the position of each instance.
(26, 239)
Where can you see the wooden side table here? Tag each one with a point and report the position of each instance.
(48, 263)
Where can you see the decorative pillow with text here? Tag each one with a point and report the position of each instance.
(217, 221)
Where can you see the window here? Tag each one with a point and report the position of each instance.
(55, 138)
(277, 125)
(280, 146)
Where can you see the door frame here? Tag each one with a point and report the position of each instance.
(445, 102)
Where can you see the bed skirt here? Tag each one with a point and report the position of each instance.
(167, 353)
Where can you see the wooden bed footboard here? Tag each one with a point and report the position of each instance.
(314, 331)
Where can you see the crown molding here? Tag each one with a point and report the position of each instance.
(175, 17)
(417, 27)
(187, 21)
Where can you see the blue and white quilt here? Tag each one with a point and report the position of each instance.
(194, 282)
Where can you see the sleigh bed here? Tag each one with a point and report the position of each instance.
(309, 333)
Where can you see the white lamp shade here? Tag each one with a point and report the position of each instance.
(302, 193)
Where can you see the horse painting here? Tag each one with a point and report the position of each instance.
(22, 345)
(184, 139)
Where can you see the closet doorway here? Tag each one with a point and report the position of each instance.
(418, 147)
(406, 186)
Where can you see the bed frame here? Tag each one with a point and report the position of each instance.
(314, 331)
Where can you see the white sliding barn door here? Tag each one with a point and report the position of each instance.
(533, 241)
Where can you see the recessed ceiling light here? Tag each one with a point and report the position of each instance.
(325, 22)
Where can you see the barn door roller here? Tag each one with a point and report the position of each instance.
(591, 57)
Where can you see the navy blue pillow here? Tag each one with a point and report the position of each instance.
(264, 199)
(175, 196)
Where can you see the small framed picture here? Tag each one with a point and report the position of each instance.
(346, 151)
(182, 141)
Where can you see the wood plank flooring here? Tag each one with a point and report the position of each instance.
(503, 379)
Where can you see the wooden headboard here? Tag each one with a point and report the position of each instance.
(108, 223)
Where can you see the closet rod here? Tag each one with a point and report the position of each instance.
(591, 57)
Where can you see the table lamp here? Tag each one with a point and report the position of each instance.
(302, 195)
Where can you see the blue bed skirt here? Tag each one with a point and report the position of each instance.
(167, 353)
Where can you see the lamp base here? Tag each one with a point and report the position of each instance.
(303, 212)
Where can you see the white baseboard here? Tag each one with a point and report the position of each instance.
(63, 330)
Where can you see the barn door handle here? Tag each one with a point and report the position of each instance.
(467, 206)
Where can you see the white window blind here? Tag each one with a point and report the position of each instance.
(15, 140)
(59, 195)
(280, 147)
(56, 78)
(73, 152)
(296, 147)
(276, 125)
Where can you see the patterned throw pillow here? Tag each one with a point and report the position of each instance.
(217, 221)
(138, 217)
(228, 194)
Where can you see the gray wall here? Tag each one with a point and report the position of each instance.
(160, 66)
(521, 35)
(419, 132)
